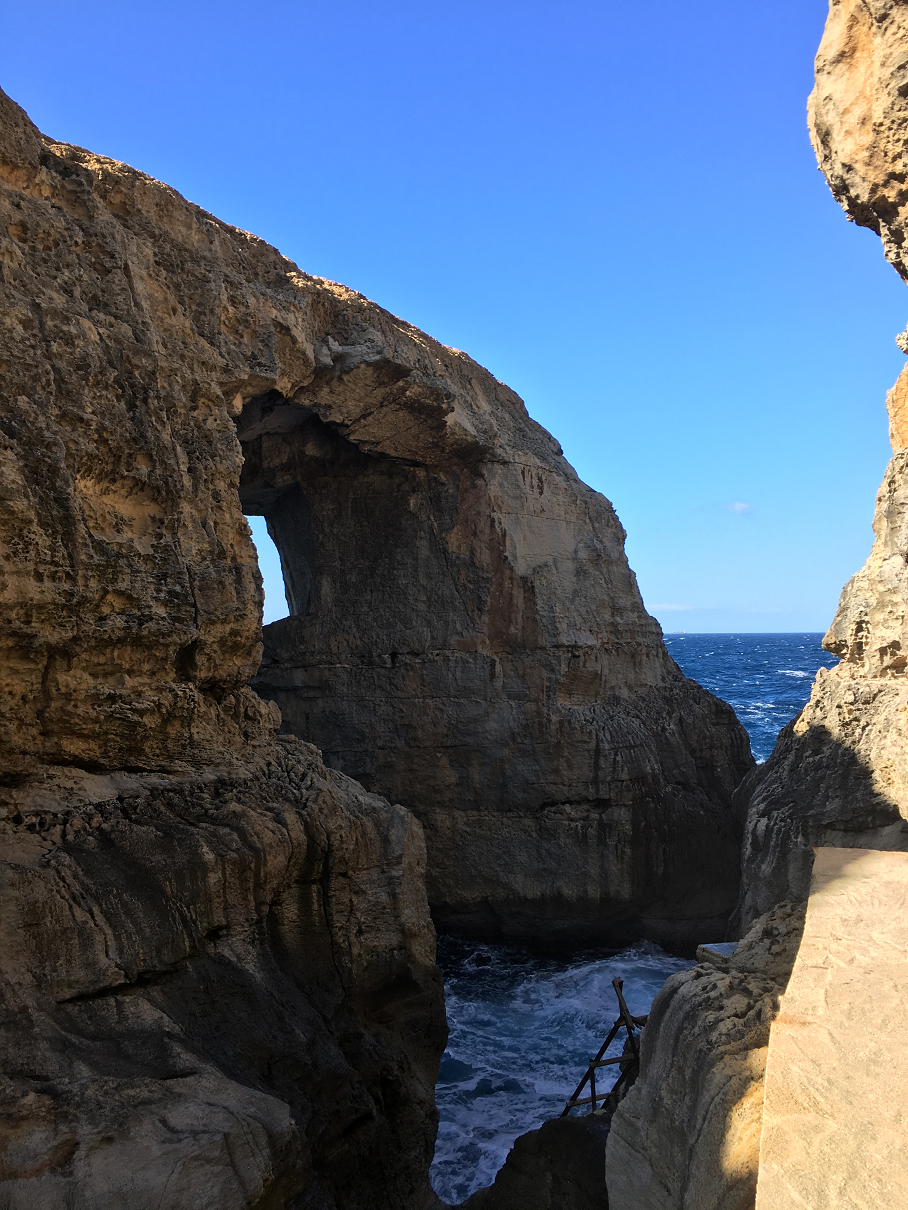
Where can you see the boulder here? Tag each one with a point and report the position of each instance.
(560, 1166)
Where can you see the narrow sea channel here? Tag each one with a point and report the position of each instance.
(522, 1031)
(523, 1027)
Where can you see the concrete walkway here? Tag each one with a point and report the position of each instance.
(835, 1122)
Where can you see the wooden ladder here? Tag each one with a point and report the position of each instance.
(631, 1061)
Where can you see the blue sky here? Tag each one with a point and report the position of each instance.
(613, 206)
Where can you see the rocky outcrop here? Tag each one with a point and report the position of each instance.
(839, 773)
(218, 991)
(560, 1166)
(466, 638)
(687, 1135)
(217, 976)
(858, 116)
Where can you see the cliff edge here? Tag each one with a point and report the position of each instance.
(687, 1136)
(218, 961)
(839, 773)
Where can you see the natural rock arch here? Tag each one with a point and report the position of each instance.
(466, 638)
(483, 657)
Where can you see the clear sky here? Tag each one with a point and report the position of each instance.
(612, 205)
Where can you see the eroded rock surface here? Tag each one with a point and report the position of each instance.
(687, 1135)
(858, 116)
(217, 977)
(218, 991)
(839, 773)
(467, 636)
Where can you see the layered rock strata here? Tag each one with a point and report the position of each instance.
(218, 968)
(218, 981)
(839, 773)
(217, 990)
(466, 638)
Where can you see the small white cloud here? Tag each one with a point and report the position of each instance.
(741, 508)
(670, 608)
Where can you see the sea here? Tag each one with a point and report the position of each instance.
(523, 1025)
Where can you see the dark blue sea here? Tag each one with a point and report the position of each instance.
(523, 1026)
(767, 678)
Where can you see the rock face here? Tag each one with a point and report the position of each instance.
(469, 640)
(858, 116)
(687, 1135)
(466, 637)
(218, 991)
(218, 975)
(839, 773)
(834, 1127)
(560, 1166)
(218, 980)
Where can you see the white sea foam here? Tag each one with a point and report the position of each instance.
(523, 1029)
(522, 1032)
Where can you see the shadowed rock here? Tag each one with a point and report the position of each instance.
(839, 773)
(218, 991)
(560, 1166)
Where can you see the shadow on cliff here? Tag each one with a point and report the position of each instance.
(813, 791)
(688, 1133)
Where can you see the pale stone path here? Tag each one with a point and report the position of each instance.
(835, 1124)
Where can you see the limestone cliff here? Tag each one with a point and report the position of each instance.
(467, 638)
(688, 1133)
(839, 773)
(218, 980)
(218, 991)
(218, 977)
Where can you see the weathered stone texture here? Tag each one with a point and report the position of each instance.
(219, 987)
(217, 992)
(858, 116)
(217, 978)
(687, 1135)
(839, 773)
(835, 1116)
(468, 638)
